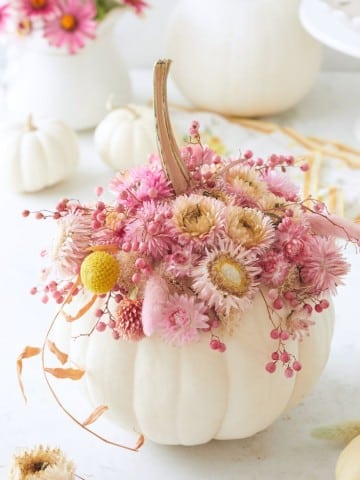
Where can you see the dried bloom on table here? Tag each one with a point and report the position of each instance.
(41, 463)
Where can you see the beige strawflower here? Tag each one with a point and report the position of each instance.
(41, 463)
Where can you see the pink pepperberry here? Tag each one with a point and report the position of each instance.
(118, 297)
(290, 160)
(115, 334)
(308, 308)
(136, 278)
(259, 162)
(248, 154)
(25, 213)
(274, 333)
(222, 347)
(324, 304)
(289, 295)
(60, 299)
(56, 215)
(214, 343)
(100, 326)
(270, 367)
(45, 299)
(99, 312)
(39, 215)
(278, 304)
(284, 335)
(210, 184)
(297, 366)
(111, 324)
(304, 167)
(275, 356)
(318, 308)
(99, 191)
(126, 246)
(289, 372)
(284, 357)
(33, 291)
(140, 263)
(197, 176)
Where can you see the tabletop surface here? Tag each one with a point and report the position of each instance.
(283, 451)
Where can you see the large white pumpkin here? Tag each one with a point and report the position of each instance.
(192, 394)
(242, 57)
(37, 155)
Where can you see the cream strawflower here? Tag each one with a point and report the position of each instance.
(197, 219)
(226, 278)
(41, 463)
(249, 227)
(245, 184)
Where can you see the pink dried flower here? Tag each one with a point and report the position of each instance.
(197, 220)
(128, 320)
(181, 261)
(275, 268)
(181, 318)
(149, 230)
(245, 184)
(323, 266)
(281, 185)
(293, 238)
(226, 278)
(138, 5)
(36, 8)
(139, 185)
(72, 24)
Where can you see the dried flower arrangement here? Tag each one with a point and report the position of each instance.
(199, 258)
(69, 23)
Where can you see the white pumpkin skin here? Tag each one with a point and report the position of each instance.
(126, 137)
(193, 394)
(348, 464)
(241, 57)
(35, 157)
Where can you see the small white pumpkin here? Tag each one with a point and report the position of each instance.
(348, 464)
(242, 57)
(126, 136)
(35, 156)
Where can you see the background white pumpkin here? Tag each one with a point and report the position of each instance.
(126, 136)
(37, 155)
(241, 57)
(193, 394)
(348, 464)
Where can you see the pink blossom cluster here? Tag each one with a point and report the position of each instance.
(68, 23)
(192, 264)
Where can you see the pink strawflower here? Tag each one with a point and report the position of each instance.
(149, 230)
(293, 238)
(4, 16)
(324, 266)
(139, 185)
(275, 268)
(227, 278)
(245, 184)
(281, 185)
(181, 318)
(138, 5)
(36, 8)
(71, 25)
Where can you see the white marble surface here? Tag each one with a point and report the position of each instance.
(284, 451)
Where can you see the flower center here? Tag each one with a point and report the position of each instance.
(38, 4)
(68, 22)
(196, 222)
(229, 275)
(179, 318)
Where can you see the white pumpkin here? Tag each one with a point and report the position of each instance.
(192, 394)
(241, 57)
(35, 156)
(348, 463)
(126, 136)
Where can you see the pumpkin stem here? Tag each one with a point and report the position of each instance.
(29, 124)
(172, 163)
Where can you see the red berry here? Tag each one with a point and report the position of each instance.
(214, 343)
(100, 326)
(297, 366)
(274, 333)
(278, 304)
(270, 367)
(318, 308)
(275, 356)
(289, 372)
(284, 335)
(284, 357)
(324, 304)
(25, 213)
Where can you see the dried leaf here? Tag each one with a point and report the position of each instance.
(61, 356)
(140, 442)
(71, 373)
(81, 312)
(95, 415)
(28, 352)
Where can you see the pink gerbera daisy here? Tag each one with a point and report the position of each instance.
(72, 23)
(137, 5)
(4, 16)
(324, 265)
(181, 318)
(36, 8)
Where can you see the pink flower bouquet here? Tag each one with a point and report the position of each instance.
(69, 23)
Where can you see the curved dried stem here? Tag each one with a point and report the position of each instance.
(172, 163)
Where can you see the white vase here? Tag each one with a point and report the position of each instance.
(49, 82)
(241, 57)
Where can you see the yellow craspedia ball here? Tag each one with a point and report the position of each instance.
(99, 272)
